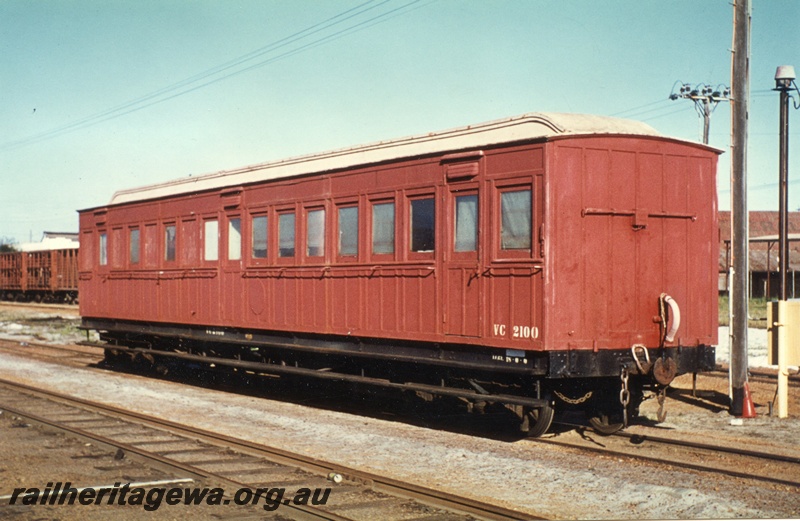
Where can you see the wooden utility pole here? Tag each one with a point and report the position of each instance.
(740, 82)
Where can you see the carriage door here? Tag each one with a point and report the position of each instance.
(232, 298)
(463, 280)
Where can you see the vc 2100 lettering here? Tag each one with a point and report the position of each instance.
(529, 332)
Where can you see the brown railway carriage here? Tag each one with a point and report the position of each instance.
(41, 276)
(526, 260)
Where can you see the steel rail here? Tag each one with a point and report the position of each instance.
(40, 305)
(394, 487)
(300, 512)
(763, 375)
(6, 343)
(640, 438)
(635, 438)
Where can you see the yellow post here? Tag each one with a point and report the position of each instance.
(783, 370)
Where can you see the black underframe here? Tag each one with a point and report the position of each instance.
(577, 363)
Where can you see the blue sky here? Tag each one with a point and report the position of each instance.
(102, 95)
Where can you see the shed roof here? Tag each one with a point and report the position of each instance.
(52, 241)
(763, 239)
(530, 126)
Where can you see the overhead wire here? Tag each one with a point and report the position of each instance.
(661, 107)
(190, 84)
(104, 115)
(120, 110)
(636, 109)
(344, 32)
(684, 108)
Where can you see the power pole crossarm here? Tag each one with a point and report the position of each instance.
(706, 98)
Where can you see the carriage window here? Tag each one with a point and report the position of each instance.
(260, 237)
(169, 242)
(515, 208)
(348, 230)
(422, 225)
(211, 240)
(286, 235)
(103, 249)
(315, 244)
(466, 234)
(134, 246)
(383, 228)
(234, 239)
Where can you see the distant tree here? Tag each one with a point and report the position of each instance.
(7, 245)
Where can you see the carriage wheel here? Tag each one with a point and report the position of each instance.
(602, 424)
(535, 422)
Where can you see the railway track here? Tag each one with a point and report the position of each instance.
(40, 350)
(758, 374)
(236, 464)
(733, 461)
(72, 309)
(640, 444)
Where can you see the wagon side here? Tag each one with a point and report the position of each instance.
(451, 271)
(11, 274)
(41, 275)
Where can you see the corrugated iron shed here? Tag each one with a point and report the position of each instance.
(763, 241)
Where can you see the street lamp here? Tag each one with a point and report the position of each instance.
(784, 82)
(784, 78)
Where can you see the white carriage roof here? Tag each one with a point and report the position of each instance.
(61, 242)
(525, 127)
